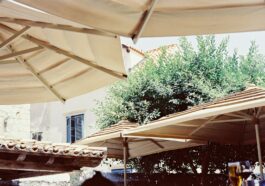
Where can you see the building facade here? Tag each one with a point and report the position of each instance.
(73, 120)
(15, 121)
(66, 122)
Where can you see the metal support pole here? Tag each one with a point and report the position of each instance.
(259, 150)
(125, 146)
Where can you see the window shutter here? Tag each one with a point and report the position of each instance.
(72, 134)
(74, 127)
(79, 126)
(68, 129)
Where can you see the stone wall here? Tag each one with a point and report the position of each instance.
(15, 121)
(74, 178)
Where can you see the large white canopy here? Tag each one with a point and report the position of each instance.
(228, 120)
(111, 138)
(135, 18)
(47, 58)
(234, 119)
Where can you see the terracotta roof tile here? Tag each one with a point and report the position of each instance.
(155, 53)
(40, 147)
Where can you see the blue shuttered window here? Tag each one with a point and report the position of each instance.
(68, 128)
(74, 126)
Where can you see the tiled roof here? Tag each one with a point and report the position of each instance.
(39, 147)
(155, 53)
(29, 158)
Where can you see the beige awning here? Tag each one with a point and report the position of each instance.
(28, 158)
(47, 58)
(148, 18)
(235, 119)
(228, 120)
(111, 138)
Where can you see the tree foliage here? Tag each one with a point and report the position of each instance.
(173, 82)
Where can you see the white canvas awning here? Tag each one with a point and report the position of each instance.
(149, 18)
(47, 58)
(229, 120)
(123, 148)
(235, 119)
(111, 138)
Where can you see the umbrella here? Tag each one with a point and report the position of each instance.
(126, 148)
(47, 58)
(234, 119)
(151, 18)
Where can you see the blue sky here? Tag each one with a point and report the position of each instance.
(241, 41)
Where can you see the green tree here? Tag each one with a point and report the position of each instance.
(175, 82)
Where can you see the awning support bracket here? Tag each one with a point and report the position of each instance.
(30, 23)
(14, 36)
(20, 53)
(143, 21)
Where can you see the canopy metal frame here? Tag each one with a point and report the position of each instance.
(143, 21)
(44, 45)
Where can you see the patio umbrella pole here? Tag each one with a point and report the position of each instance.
(125, 146)
(259, 149)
